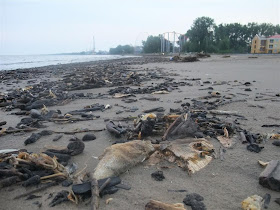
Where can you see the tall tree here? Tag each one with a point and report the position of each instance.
(201, 34)
(151, 45)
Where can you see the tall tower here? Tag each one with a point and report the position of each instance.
(93, 46)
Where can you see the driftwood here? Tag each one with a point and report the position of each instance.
(36, 190)
(19, 130)
(104, 184)
(69, 120)
(79, 131)
(94, 193)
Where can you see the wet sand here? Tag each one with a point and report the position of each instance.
(223, 184)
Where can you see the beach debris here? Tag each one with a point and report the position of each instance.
(254, 148)
(158, 176)
(60, 197)
(262, 163)
(266, 200)
(149, 98)
(89, 137)
(253, 202)
(56, 138)
(75, 147)
(225, 141)
(157, 109)
(276, 143)
(160, 92)
(226, 56)
(119, 95)
(50, 184)
(145, 124)
(118, 158)
(108, 200)
(117, 130)
(30, 197)
(203, 55)
(195, 201)
(182, 127)
(36, 136)
(34, 180)
(158, 205)
(34, 113)
(184, 59)
(270, 177)
(275, 136)
(189, 154)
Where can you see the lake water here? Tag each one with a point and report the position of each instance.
(11, 62)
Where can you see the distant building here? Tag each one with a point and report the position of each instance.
(270, 45)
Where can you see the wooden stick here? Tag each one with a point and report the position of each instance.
(104, 185)
(36, 190)
(80, 131)
(94, 193)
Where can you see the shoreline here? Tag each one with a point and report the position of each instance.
(222, 183)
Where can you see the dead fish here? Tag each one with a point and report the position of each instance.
(118, 158)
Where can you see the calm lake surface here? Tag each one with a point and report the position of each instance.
(12, 62)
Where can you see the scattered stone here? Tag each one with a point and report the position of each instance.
(89, 137)
(158, 175)
(56, 138)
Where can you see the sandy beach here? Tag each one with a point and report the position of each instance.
(224, 184)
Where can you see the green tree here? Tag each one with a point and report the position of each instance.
(201, 34)
(121, 49)
(152, 44)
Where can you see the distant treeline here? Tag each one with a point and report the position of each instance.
(122, 49)
(205, 35)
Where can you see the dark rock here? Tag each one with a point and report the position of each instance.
(46, 133)
(89, 137)
(109, 191)
(32, 139)
(60, 157)
(158, 176)
(266, 199)
(276, 143)
(247, 89)
(195, 201)
(76, 146)
(80, 189)
(35, 114)
(254, 148)
(67, 183)
(270, 177)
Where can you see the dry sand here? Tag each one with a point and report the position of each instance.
(223, 184)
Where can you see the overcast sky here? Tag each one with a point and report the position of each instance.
(54, 26)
